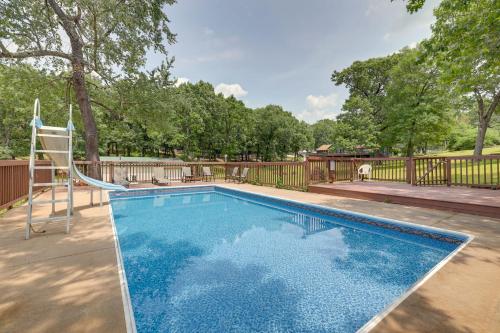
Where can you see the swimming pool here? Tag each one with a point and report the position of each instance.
(212, 259)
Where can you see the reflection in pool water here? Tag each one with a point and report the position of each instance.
(210, 262)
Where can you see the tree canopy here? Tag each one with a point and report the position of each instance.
(106, 38)
(444, 93)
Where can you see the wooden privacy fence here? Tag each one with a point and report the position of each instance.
(14, 180)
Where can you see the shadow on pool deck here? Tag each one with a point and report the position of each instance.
(69, 283)
(57, 282)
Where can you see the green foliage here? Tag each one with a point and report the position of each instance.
(465, 44)
(363, 113)
(464, 138)
(278, 132)
(457, 69)
(356, 125)
(5, 153)
(413, 6)
(417, 107)
(18, 88)
(107, 38)
(113, 34)
(145, 115)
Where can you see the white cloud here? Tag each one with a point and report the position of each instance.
(319, 107)
(230, 89)
(412, 45)
(181, 80)
(322, 102)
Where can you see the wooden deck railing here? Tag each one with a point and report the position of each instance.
(144, 171)
(14, 180)
(472, 171)
(394, 169)
(294, 175)
(430, 171)
(483, 171)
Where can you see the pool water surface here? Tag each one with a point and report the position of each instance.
(218, 260)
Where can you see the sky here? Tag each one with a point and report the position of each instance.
(284, 52)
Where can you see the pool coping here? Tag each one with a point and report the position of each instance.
(368, 326)
(127, 302)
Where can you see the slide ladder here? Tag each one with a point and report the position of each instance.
(57, 145)
(63, 161)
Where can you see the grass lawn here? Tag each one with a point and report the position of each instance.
(486, 151)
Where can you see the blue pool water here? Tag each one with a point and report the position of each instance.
(215, 260)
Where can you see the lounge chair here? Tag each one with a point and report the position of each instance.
(187, 176)
(207, 174)
(234, 174)
(241, 178)
(365, 170)
(159, 176)
(120, 176)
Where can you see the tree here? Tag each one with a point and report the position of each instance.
(356, 125)
(465, 44)
(104, 37)
(366, 81)
(324, 132)
(413, 6)
(278, 132)
(417, 106)
(17, 86)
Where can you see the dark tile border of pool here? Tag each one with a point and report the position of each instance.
(402, 227)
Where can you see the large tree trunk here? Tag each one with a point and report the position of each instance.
(69, 24)
(82, 97)
(484, 115)
(481, 135)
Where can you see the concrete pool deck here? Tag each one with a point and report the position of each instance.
(59, 282)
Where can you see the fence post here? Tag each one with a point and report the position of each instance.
(307, 171)
(111, 172)
(448, 171)
(409, 170)
(352, 169)
(413, 162)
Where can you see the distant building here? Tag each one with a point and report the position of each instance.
(328, 150)
(323, 149)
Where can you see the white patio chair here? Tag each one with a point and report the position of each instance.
(365, 171)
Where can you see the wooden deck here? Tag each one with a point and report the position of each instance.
(458, 199)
